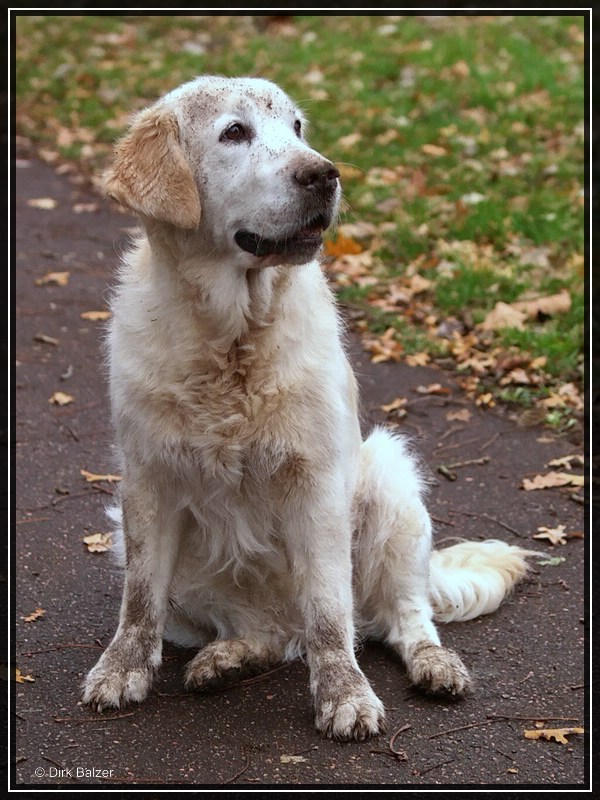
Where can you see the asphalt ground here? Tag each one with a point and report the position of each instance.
(528, 659)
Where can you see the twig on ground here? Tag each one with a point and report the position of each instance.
(443, 521)
(97, 718)
(485, 445)
(495, 717)
(450, 431)
(465, 727)
(401, 754)
(241, 772)
(491, 519)
(455, 445)
(435, 766)
(468, 462)
(57, 647)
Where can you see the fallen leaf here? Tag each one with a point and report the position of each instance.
(566, 461)
(558, 734)
(399, 402)
(462, 415)
(503, 315)
(41, 337)
(348, 142)
(552, 304)
(552, 562)
(85, 208)
(91, 477)
(434, 150)
(485, 399)
(551, 479)
(98, 542)
(516, 376)
(20, 678)
(385, 348)
(285, 759)
(343, 245)
(45, 203)
(61, 399)
(95, 316)
(39, 612)
(554, 535)
(432, 388)
(57, 278)
(387, 137)
(417, 359)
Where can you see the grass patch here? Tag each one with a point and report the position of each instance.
(462, 137)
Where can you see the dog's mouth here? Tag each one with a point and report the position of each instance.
(303, 242)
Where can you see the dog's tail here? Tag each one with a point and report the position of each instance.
(472, 578)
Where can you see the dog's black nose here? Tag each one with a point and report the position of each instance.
(317, 176)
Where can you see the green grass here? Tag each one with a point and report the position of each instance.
(500, 99)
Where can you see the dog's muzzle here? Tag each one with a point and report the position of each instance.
(317, 180)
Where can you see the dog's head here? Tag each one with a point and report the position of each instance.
(226, 158)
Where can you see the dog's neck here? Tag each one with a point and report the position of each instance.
(232, 307)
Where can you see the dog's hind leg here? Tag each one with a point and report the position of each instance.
(226, 661)
(392, 551)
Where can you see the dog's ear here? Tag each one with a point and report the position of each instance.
(150, 174)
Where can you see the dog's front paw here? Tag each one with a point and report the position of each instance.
(112, 685)
(354, 713)
(438, 670)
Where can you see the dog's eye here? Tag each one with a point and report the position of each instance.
(235, 133)
(298, 128)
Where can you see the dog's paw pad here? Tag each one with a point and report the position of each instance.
(438, 670)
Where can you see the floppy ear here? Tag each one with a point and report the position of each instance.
(150, 174)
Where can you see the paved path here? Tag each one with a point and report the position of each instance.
(528, 659)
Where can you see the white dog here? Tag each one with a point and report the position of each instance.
(255, 524)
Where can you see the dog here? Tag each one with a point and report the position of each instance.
(253, 523)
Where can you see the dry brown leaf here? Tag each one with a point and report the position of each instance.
(417, 359)
(503, 315)
(56, 278)
(566, 461)
(399, 402)
(61, 399)
(342, 246)
(554, 535)
(348, 142)
(434, 150)
(98, 542)
(91, 477)
(20, 678)
(485, 399)
(85, 208)
(291, 759)
(42, 337)
(462, 415)
(432, 388)
(558, 734)
(45, 203)
(95, 316)
(551, 479)
(37, 614)
(552, 304)
(385, 348)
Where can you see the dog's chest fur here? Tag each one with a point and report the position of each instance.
(231, 395)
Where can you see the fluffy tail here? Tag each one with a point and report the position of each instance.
(472, 578)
